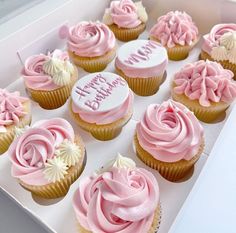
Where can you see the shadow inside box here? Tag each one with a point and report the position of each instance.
(46, 202)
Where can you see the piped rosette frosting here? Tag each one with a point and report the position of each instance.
(205, 81)
(125, 14)
(220, 43)
(43, 153)
(90, 39)
(11, 109)
(121, 199)
(175, 28)
(101, 98)
(48, 72)
(170, 132)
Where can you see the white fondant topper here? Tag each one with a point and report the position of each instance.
(100, 92)
(142, 54)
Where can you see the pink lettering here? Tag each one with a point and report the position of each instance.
(103, 89)
(81, 92)
(141, 54)
(94, 105)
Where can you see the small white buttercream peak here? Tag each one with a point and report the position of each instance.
(119, 162)
(69, 152)
(141, 11)
(55, 169)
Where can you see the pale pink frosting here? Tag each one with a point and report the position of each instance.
(30, 151)
(34, 76)
(124, 14)
(205, 81)
(101, 118)
(132, 70)
(212, 39)
(175, 28)
(11, 109)
(90, 39)
(170, 132)
(117, 201)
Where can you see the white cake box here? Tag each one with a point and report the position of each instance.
(42, 34)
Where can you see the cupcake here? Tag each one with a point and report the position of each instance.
(169, 138)
(91, 45)
(177, 32)
(47, 158)
(126, 19)
(15, 113)
(119, 199)
(220, 45)
(206, 88)
(49, 78)
(102, 103)
(142, 63)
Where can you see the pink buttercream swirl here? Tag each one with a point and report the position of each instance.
(205, 81)
(34, 75)
(101, 118)
(30, 151)
(170, 132)
(117, 201)
(175, 28)
(124, 14)
(11, 108)
(212, 39)
(90, 39)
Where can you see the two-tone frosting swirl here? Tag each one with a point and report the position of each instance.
(175, 28)
(117, 201)
(47, 72)
(90, 39)
(205, 81)
(11, 108)
(220, 43)
(30, 152)
(169, 132)
(125, 14)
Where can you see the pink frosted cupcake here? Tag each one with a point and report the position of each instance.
(122, 198)
(91, 45)
(206, 88)
(47, 158)
(102, 103)
(177, 32)
(49, 78)
(15, 113)
(142, 63)
(220, 45)
(169, 138)
(126, 19)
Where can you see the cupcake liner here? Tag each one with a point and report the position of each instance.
(102, 132)
(226, 64)
(205, 114)
(143, 86)
(178, 52)
(170, 171)
(93, 64)
(153, 229)
(127, 34)
(60, 188)
(7, 138)
(54, 98)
